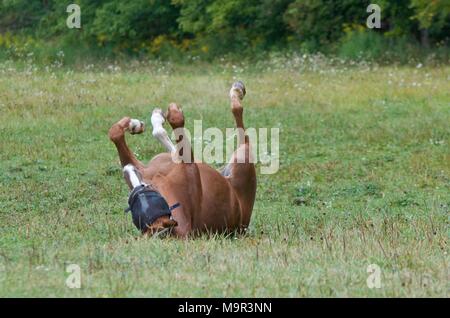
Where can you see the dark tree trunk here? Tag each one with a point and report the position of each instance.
(424, 38)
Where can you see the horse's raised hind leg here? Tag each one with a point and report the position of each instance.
(242, 153)
(117, 135)
(241, 170)
(237, 94)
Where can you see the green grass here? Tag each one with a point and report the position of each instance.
(364, 179)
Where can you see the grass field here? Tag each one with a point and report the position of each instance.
(364, 179)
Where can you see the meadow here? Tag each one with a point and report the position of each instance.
(364, 179)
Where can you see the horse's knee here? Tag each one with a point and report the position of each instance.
(115, 133)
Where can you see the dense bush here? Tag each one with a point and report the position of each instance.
(213, 28)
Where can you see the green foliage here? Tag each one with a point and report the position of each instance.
(212, 28)
(320, 22)
(432, 15)
(237, 25)
(359, 45)
(368, 45)
(130, 24)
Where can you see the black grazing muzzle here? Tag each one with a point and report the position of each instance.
(146, 206)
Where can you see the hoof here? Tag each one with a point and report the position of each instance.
(175, 116)
(238, 90)
(136, 127)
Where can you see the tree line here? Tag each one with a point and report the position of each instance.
(218, 27)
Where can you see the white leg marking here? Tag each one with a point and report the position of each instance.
(159, 132)
(132, 176)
